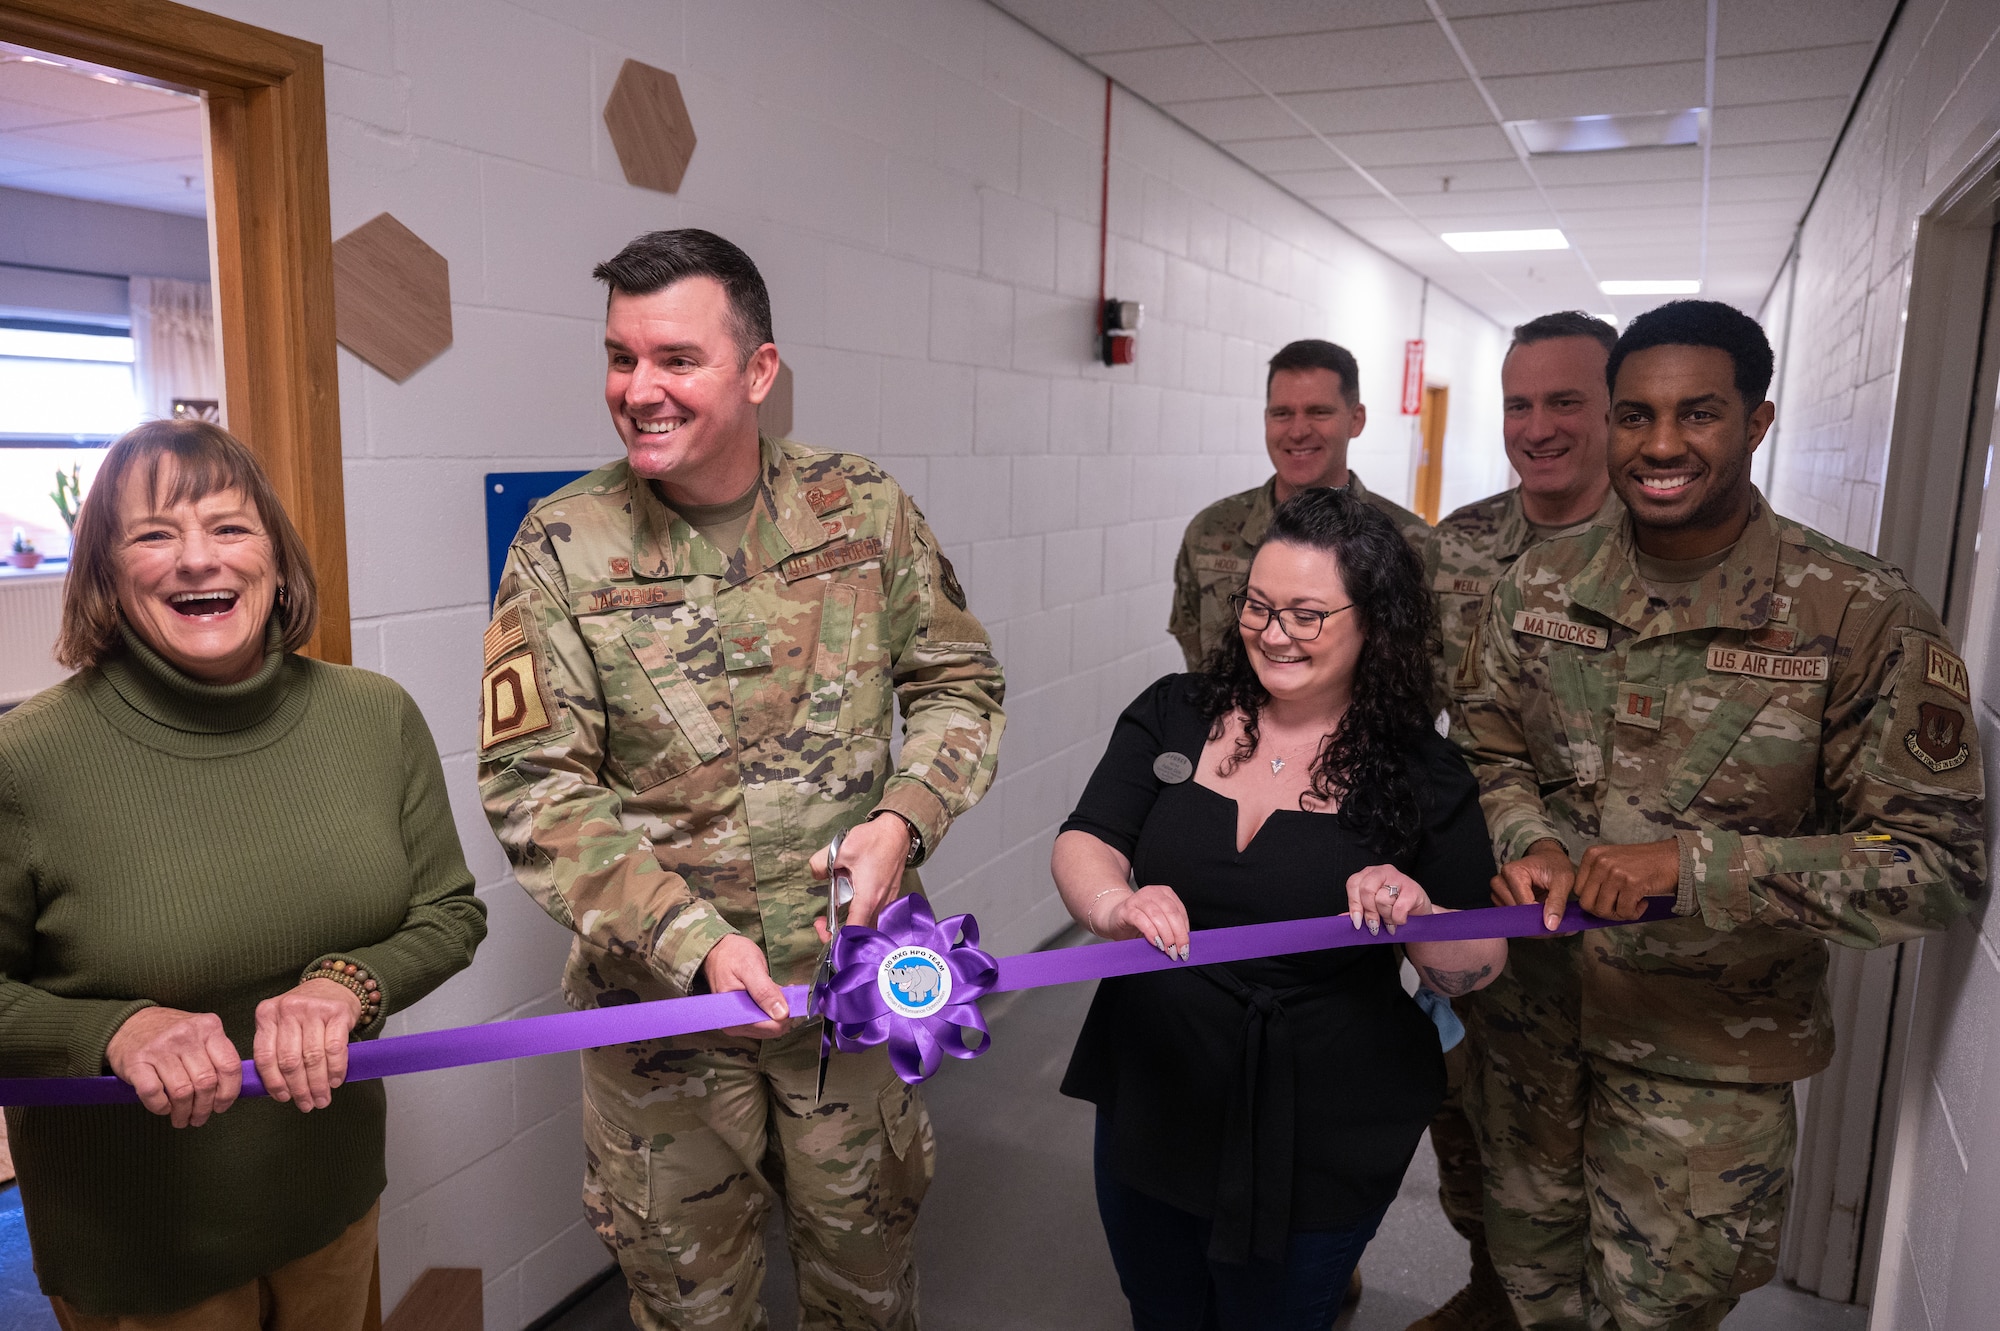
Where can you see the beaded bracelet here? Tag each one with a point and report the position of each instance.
(356, 980)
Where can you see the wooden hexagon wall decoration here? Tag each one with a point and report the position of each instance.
(774, 413)
(391, 297)
(649, 127)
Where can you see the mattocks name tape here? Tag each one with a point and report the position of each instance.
(1560, 629)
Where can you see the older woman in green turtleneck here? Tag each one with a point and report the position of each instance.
(211, 848)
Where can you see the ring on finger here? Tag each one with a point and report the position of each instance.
(1391, 891)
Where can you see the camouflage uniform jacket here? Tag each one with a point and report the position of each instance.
(669, 733)
(1796, 722)
(1466, 554)
(1215, 557)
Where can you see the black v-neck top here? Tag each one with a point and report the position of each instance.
(1197, 1068)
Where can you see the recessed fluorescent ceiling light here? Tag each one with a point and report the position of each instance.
(1494, 242)
(1671, 287)
(1598, 134)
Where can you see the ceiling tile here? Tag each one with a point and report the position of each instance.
(1339, 183)
(1753, 159)
(1483, 143)
(1466, 177)
(1283, 18)
(1828, 71)
(1745, 27)
(1635, 89)
(1364, 58)
(1221, 119)
(1174, 74)
(1303, 153)
(73, 95)
(1407, 106)
(1483, 210)
(1599, 36)
(1778, 122)
(1613, 168)
(1102, 25)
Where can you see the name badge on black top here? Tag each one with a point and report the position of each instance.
(1173, 768)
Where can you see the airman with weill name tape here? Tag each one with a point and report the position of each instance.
(1312, 409)
(1555, 410)
(1760, 723)
(691, 673)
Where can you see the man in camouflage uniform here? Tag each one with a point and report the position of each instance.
(1312, 407)
(1555, 419)
(690, 674)
(1709, 703)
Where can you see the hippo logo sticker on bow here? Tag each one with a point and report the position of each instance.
(914, 981)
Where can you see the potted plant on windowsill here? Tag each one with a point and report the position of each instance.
(23, 553)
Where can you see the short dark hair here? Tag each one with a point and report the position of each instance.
(1310, 353)
(191, 460)
(658, 259)
(1564, 323)
(1702, 323)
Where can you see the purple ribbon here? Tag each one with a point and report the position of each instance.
(567, 1032)
(915, 982)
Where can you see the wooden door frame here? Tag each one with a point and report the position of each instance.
(272, 236)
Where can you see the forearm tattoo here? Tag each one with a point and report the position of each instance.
(1455, 984)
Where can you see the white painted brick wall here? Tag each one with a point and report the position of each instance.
(1933, 105)
(918, 180)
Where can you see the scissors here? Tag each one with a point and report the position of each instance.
(839, 892)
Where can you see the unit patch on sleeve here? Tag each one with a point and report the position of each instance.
(1561, 630)
(511, 701)
(504, 635)
(1938, 741)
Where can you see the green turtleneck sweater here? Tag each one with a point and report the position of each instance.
(196, 846)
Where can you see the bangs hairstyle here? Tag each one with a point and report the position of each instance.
(1365, 764)
(176, 462)
(658, 259)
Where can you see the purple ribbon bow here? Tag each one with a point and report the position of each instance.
(914, 981)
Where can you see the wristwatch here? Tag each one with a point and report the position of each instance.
(916, 854)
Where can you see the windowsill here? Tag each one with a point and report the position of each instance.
(48, 568)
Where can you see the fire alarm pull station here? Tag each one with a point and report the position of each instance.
(1121, 331)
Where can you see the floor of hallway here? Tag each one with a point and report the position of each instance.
(1010, 1239)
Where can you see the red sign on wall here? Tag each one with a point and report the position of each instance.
(1413, 377)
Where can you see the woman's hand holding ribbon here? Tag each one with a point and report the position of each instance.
(1153, 913)
(1382, 895)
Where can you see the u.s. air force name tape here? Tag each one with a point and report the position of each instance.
(567, 1032)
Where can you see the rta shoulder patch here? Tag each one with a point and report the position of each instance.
(505, 635)
(1946, 671)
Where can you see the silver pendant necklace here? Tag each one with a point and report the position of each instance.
(1277, 766)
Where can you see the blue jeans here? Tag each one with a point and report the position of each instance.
(1161, 1253)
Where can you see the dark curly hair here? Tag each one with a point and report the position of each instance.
(1701, 323)
(1365, 764)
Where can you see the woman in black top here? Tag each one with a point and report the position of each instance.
(1255, 1118)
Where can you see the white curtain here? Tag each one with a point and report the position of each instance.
(173, 343)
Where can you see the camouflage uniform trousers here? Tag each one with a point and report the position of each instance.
(1525, 1095)
(1461, 1176)
(1688, 1182)
(688, 1142)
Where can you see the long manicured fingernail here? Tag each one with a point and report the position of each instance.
(1374, 927)
(1392, 930)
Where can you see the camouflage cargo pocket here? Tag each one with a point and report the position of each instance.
(851, 685)
(665, 728)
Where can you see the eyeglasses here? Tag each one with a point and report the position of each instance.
(1297, 623)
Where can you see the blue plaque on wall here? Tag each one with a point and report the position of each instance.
(509, 496)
